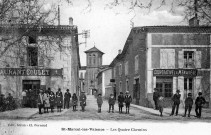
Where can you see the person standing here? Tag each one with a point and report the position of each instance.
(83, 101)
(111, 102)
(59, 100)
(199, 103)
(99, 102)
(67, 97)
(46, 101)
(188, 104)
(52, 100)
(128, 100)
(9, 100)
(24, 101)
(74, 101)
(40, 101)
(160, 104)
(121, 100)
(155, 97)
(176, 102)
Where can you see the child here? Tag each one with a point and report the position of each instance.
(83, 101)
(188, 104)
(111, 102)
(128, 100)
(52, 100)
(99, 102)
(160, 103)
(74, 101)
(199, 102)
(121, 100)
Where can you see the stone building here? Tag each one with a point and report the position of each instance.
(93, 66)
(39, 57)
(167, 58)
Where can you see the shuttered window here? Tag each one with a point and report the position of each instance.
(167, 58)
(136, 63)
(120, 69)
(126, 68)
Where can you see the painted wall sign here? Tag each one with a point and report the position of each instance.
(30, 72)
(174, 72)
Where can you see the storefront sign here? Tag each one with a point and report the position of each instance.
(174, 72)
(30, 72)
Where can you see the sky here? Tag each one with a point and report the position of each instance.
(109, 28)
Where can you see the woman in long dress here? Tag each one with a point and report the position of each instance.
(46, 101)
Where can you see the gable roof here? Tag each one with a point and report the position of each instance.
(94, 49)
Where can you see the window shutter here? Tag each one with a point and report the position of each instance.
(171, 58)
(181, 59)
(41, 58)
(197, 56)
(163, 59)
(198, 84)
(181, 85)
(174, 84)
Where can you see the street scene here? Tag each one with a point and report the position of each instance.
(118, 61)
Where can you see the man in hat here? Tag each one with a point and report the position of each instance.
(188, 104)
(199, 102)
(121, 100)
(83, 101)
(176, 102)
(155, 98)
(67, 97)
(128, 100)
(40, 101)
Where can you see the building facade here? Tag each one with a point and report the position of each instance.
(40, 57)
(103, 82)
(167, 58)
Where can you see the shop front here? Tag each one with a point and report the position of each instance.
(167, 81)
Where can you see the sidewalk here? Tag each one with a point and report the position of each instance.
(206, 112)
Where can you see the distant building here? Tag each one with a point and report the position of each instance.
(93, 66)
(45, 56)
(103, 82)
(167, 58)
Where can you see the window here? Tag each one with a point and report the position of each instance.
(165, 86)
(114, 71)
(136, 63)
(127, 86)
(32, 39)
(120, 86)
(32, 56)
(188, 83)
(167, 58)
(94, 59)
(90, 59)
(120, 69)
(188, 59)
(126, 68)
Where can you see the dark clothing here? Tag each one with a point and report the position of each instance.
(121, 100)
(83, 101)
(52, 101)
(59, 99)
(199, 102)
(176, 102)
(74, 102)
(99, 100)
(111, 101)
(188, 105)
(111, 108)
(155, 98)
(67, 97)
(128, 100)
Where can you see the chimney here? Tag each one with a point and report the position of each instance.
(194, 22)
(119, 51)
(70, 21)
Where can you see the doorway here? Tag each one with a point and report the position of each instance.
(34, 85)
(136, 92)
(165, 86)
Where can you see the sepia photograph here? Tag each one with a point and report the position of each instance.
(138, 67)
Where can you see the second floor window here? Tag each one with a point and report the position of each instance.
(120, 69)
(136, 63)
(32, 39)
(188, 59)
(32, 56)
(114, 71)
(126, 68)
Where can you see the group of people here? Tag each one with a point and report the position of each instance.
(7, 103)
(29, 98)
(48, 100)
(127, 99)
(199, 102)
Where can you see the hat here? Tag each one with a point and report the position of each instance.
(200, 93)
(99, 94)
(121, 92)
(189, 94)
(67, 89)
(178, 91)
